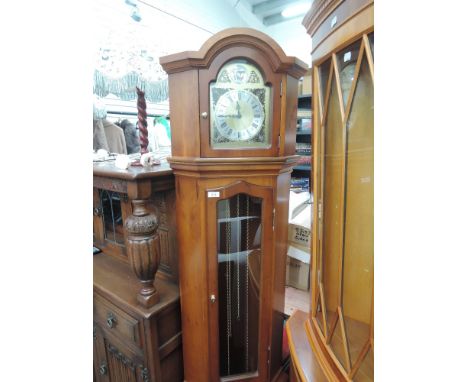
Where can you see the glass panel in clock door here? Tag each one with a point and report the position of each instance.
(240, 108)
(239, 251)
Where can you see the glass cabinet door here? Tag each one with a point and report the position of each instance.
(344, 256)
(239, 265)
(110, 209)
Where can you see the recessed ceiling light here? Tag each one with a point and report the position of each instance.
(295, 10)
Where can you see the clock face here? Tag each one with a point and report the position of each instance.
(240, 107)
(239, 115)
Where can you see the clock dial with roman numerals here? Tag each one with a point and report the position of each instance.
(240, 107)
(239, 115)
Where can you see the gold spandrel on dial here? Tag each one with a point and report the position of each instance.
(240, 107)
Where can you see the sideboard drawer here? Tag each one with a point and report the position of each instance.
(116, 321)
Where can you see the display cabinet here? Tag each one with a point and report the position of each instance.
(136, 316)
(339, 326)
(236, 99)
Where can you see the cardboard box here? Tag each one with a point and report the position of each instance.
(297, 273)
(298, 267)
(299, 232)
(299, 252)
(299, 239)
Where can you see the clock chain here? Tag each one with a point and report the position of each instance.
(247, 237)
(228, 291)
(239, 231)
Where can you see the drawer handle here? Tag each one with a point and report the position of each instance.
(111, 320)
(103, 369)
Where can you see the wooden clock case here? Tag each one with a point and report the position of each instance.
(201, 170)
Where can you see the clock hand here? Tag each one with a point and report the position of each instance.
(238, 110)
(228, 116)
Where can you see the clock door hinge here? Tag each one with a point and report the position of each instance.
(274, 216)
(281, 88)
(320, 210)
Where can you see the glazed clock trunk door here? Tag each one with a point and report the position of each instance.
(239, 227)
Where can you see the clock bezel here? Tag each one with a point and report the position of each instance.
(272, 79)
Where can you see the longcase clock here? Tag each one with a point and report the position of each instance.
(233, 110)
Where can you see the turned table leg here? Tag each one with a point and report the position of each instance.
(143, 250)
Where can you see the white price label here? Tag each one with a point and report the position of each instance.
(213, 194)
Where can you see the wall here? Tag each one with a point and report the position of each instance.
(291, 35)
(293, 38)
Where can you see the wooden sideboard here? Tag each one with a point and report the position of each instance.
(136, 302)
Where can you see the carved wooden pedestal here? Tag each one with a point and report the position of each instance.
(143, 250)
